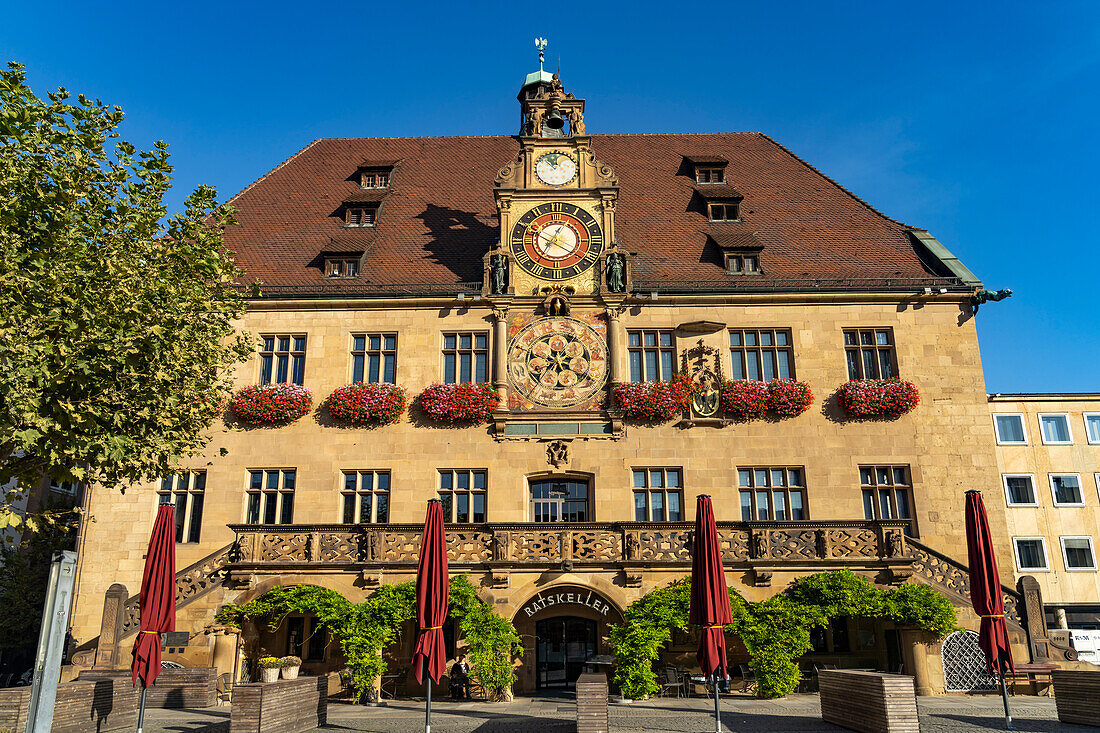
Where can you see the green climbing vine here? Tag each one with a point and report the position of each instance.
(364, 629)
(776, 631)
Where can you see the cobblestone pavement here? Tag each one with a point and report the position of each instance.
(556, 715)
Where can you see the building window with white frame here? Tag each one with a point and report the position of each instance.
(1010, 429)
(1066, 489)
(1055, 429)
(1077, 554)
(366, 497)
(186, 492)
(1031, 554)
(658, 495)
(271, 496)
(1019, 489)
(772, 494)
(1092, 427)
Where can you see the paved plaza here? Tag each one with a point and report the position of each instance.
(695, 715)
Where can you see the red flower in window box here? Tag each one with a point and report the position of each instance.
(653, 401)
(877, 397)
(743, 399)
(459, 403)
(271, 404)
(788, 397)
(363, 403)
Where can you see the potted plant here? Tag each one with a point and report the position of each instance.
(653, 401)
(290, 667)
(367, 403)
(269, 668)
(877, 398)
(457, 404)
(271, 404)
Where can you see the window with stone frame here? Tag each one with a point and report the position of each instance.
(870, 353)
(658, 495)
(186, 492)
(366, 497)
(771, 493)
(270, 496)
(462, 492)
(888, 494)
(652, 355)
(761, 353)
(465, 357)
(374, 357)
(282, 358)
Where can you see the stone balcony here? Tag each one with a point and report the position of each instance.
(759, 547)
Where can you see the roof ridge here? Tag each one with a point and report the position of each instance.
(595, 134)
(249, 187)
(794, 155)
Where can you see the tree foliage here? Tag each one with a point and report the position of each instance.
(116, 320)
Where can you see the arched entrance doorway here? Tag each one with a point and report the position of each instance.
(563, 628)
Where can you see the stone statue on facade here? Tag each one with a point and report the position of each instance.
(497, 274)
(893, 544)
(631, 546)
(576, 122)
(501, 542)
(759, 545)
(989, 296)
(615, 281)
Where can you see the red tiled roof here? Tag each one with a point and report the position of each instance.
(366, 195)
(734, 235)
(439, 217)
(717, 191)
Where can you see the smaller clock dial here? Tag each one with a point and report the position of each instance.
(556, 241)
(555, 169)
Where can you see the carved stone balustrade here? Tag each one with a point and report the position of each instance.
(761, 546)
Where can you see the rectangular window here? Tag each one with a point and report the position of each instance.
(1092, 427)
(1010, 429)
(1066, 489)
(363, 216)
(270, 496)
(374, 357)
(341, 268)
(1055, 429)
(463, 495)
(1031, 554)
(870, 353)
(366, 497)
(772, 494)
(1019, 489)
(375, 179)
(712, 174)
(887, 494)
(68, 488)
(725, 211)
(743, 264)
(658, 495)
(652, 356)
(1077, 553)
(761, 353)
(283, 358)
(465, 357)
(186, 492)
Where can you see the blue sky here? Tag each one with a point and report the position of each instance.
(977, 121)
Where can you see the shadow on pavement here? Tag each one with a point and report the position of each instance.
(993, 722)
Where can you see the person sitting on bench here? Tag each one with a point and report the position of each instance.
(460, 679)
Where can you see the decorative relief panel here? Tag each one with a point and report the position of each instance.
(283, 547)
(853, 542)
(469, 546)
(557, 362)
(734, 544)
(401, 547)
(340, 547)
(536, 545)
(672, 544)
(596, 544)
(794, 544)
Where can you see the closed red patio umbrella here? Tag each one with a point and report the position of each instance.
(710, 600)
(431, 604)
(157, 602)
(985, 593)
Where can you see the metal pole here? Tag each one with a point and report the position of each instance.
(51, 643)
(428, 710)
(1004, 696)
(717, 714)
(141, 708)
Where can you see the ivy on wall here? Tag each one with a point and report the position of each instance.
(364, 629)
(776, 631)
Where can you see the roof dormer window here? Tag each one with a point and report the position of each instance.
(709, 174)
(375, 179)
(742, 264)
(361, 216)
(342, 267)
(722, 211)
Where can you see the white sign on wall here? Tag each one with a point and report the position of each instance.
(564, 598)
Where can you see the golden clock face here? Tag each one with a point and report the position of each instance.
(556, 241)
(557, 362)
(555, 169)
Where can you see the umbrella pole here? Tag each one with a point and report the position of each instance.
(1004, 696)
(141, 708)
(428, 710)
(717, 715)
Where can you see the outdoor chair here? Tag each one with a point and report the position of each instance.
(748, 679)
(671, 682)
(225, 688)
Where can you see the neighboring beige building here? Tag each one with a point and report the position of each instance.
(459, 259)
(1048, 456)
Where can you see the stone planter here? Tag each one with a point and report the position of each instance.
(290, 673)
(269, 674)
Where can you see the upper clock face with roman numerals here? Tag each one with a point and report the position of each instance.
(556, 241)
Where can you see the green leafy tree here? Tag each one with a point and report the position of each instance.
(116, 320)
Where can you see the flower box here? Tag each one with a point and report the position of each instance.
(788, 397)
(652, 401)
(459, 403)
(363, 403)
(743, 399)
(862, 398)
(271, 404)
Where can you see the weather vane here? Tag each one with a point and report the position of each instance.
(540, 44)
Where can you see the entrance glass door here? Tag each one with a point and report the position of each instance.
(563, 644)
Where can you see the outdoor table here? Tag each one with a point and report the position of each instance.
(1031, 673)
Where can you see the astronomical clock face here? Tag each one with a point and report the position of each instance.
(557, 362)
(556, 241)
(555, 169)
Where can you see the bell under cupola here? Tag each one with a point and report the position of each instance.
(546, 109)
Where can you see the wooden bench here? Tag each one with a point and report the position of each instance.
(1077, 695)
(1031, 673)
(592, 703)
(870, 702)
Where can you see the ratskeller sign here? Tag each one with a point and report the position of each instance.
(567, 597)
